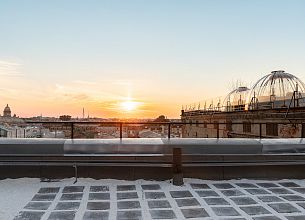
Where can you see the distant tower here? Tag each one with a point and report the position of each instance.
(7, 112)
(83, 113)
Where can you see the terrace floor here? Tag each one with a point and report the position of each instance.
(117, 199)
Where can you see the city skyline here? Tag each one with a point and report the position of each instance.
(135, 59)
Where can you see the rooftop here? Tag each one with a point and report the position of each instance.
(118, 199)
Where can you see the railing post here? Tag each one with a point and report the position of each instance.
(169, 131)
(302, 130)
(260, 130)
(16, 133)
(217, 130)
(121, 130)
(177, 167)
(24, 133)
(72, 130)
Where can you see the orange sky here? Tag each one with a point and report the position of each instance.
(57, 57)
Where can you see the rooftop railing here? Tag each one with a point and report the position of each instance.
(249, 129)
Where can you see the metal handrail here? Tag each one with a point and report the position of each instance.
(120, 124)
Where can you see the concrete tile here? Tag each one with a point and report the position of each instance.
(232, 192)
(38, 205)
(162, 214)
(199, 186)
(293, 198)
(284, 208)
(299, 190)
(73, 189)
(225, 211)
(194, 213)
(280, 191)
(71, 196)
(98, 205)
(29, 215)
(127, 195)
(99, 196)
(155, 204)
(151, 187)
(67, 206)
(99, 188)
(223, 186)
(216, 201)
(243, 200)
(62, 215)
(207, 193)
(269, 199)
(187, 202)
(289, 184)
(302, 204)
(129, 215)
(233, 218)
(296, 217)
(180, 194)
(255, 210)
(93, 215)
(246, 185)
(44, 197)
(128, 205)
(126, 188)
(154, 195)
(268, 185)
(49, 190)
(257, 191)
(266, 218)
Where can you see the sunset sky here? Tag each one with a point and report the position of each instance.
(140, 59)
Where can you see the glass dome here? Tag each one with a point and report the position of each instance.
(275, 90)
(236, 100)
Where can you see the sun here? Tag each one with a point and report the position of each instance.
(129, 106)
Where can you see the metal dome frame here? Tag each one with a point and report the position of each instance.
(275, 90)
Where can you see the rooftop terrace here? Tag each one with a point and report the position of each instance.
(114, 199)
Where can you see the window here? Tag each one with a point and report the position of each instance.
(205, 124)
(215, 124)
(271, 129)
(229, 125)
(247, 127)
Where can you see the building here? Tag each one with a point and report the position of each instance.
(7, 112)
(273, 107)
(12, 132)
(65, 117)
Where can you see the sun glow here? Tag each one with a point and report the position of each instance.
(129, 106)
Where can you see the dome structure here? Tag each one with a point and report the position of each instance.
(7, 111)
(275, 90)
(236, 100)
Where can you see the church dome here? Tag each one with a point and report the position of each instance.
(7, 111)
(275, 90)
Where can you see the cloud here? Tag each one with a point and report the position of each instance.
(122, 83)
(77, 97)
(82, 82)
(10, 69)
